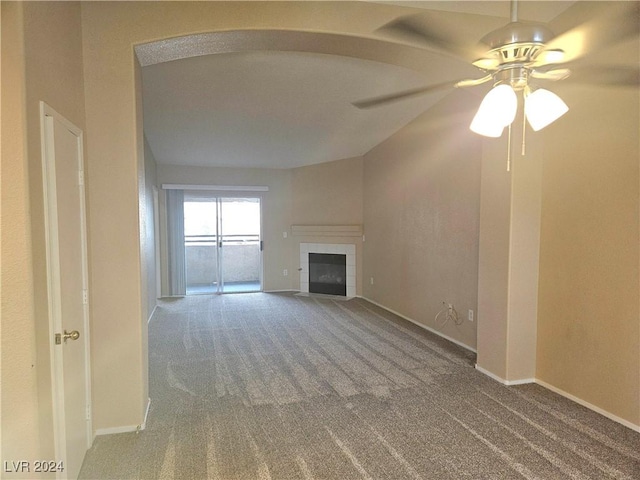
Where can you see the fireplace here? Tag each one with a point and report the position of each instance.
(328, 273)
(328, 268)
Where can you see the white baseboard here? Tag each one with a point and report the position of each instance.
(432, 330)
(127, 428)
(290, 290)
(590, 406)
(114, 430)
(143, 425)
(152, 312)
(573, 398)
(521, 381)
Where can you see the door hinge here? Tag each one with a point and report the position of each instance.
(261, 245)
(85, 297)
(81, 177)
(88, 416)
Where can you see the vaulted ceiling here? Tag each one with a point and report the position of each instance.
(282, 106)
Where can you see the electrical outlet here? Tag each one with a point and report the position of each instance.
(471, 315)
(285, 272)
(284, 235)
(371, 280)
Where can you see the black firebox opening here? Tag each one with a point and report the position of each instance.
(328, 273)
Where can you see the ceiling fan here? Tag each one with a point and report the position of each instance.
(519, 53)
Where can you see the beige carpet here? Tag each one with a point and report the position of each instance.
(279, 386)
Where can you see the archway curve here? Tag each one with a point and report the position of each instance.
(235, 41)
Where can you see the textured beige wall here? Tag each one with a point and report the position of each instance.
(524, 257)
(52, 73)
(589, 319)
(493, 261)
(328, 194)
(509, 257)
(276, 209)
(19, 401)
(421, 217)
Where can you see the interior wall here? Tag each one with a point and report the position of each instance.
(19, 401)
(149, 251)
(276, 209)
(51, 70)
(110, 31)
(421, 217)
(494, 260)
(328, 194)
(509, 256)
(589, 320)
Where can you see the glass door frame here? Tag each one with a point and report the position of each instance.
(219, 197)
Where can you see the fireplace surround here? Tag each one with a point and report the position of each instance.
(323, 270)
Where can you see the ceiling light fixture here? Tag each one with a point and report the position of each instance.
(518, 53)
(497, 110)
(543, 107)
(499, 106)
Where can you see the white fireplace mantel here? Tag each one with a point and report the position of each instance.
(326, 230)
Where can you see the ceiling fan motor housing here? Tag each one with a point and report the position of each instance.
(518, 42)
(518, 33)
(515, 47)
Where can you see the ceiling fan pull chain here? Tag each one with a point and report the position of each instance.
(509, 149)
(523, 152)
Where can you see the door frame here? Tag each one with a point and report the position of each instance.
(227, 191)
(48, 114)
(219, 229)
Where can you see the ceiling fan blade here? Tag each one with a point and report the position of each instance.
(555, 74)
(384, 99)
(605, 24)
(613, 76)
(473, 82)
(421, 28)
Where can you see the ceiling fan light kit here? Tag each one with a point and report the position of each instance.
(514, 55)
(497, 110)
(516, 49)
(499, 106)
(542, 108)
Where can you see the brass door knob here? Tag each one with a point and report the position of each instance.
(74, 335)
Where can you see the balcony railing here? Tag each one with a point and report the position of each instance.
(240, 255)
(212, 240)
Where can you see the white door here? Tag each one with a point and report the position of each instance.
(63, 177)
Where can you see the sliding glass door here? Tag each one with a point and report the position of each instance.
(222, 245)
(240, 249)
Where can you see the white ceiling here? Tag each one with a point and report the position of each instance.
(283, 109)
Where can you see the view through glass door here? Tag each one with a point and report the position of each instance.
(222, 244)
